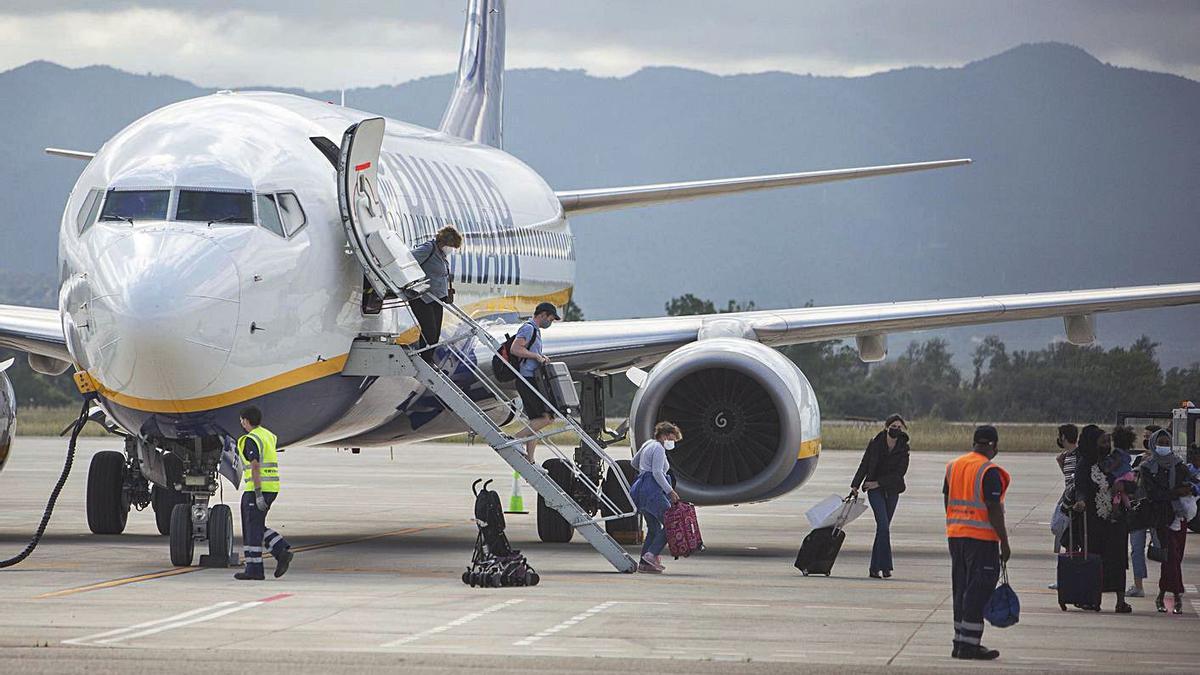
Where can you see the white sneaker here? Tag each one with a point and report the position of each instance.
(658, 563)
(1135, 592)
(1052, 585)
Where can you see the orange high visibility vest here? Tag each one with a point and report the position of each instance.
(966, 512)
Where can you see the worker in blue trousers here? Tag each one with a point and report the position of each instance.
(260, 481)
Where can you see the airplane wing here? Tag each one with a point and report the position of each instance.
(616, 345)
(33, 330)
(577, 202)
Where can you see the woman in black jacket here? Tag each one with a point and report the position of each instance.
(1102, 520)
(881, 474)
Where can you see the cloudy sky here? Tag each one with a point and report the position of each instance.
(319, 44)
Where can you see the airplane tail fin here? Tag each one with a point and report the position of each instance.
(476, 108)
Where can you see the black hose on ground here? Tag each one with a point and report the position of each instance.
(62, 480)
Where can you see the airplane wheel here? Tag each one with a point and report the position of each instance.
(182, 544)
(220, 532)
(623, 530)
(163, 501)
(552, 527)
(107, 502)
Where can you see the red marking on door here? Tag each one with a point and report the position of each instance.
(363, 167)
(273, 598)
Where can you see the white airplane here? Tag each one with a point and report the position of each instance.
(204, 266)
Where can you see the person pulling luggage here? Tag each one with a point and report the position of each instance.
(881, 475)
(978, 539)
(652, 492)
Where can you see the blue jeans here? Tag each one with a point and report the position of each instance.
(656, 536)
(883, 505)
(1137, 542)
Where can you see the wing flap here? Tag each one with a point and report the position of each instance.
(577, 202)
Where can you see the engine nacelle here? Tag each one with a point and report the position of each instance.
(750, 420)
(8, 415)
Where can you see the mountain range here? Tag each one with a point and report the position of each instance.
(1085, 175)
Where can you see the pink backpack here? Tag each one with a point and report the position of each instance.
(683, 530)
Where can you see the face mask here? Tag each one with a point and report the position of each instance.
(669, 445)
(894, 432)
(447, 250)
(1162, 450)
(1059, 443)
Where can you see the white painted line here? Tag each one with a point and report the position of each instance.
(582, 616)
(460, 621)
(146, 624)
(179, 624)
(731, 604)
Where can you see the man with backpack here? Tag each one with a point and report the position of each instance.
(527, 346)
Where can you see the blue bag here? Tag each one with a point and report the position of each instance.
(1003, 609)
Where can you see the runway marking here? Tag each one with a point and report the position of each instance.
(582, 616)
(460, 621)
(187, 570)
(187, 618)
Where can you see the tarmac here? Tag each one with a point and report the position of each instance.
(382, 538)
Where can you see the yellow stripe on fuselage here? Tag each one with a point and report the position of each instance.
(308, 373)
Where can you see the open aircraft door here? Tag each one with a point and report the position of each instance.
(386, 259)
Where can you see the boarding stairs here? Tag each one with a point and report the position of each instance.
(381, 355)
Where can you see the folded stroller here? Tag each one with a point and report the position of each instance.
(495, 563)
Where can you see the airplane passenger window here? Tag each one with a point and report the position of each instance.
(87, 212)
(290, 212)
(268, 215)
(210, 206)
(136, 205)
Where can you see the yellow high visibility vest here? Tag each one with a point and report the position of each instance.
(268, 462)
(966, 511)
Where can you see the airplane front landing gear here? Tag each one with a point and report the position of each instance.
(192, 520)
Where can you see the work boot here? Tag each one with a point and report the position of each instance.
(282, 561)
(246, 576)
(974, 653)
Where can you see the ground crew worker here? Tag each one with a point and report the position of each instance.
(260, 482)
(974, 499)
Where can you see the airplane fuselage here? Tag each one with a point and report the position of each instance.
(180, 322)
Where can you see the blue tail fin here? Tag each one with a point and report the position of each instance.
(476, 109)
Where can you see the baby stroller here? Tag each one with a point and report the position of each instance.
(495, 563)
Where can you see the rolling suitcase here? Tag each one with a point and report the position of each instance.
(1080, 575)
(683, 530)
(819, 550)
(821, 547)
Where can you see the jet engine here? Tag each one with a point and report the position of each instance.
(750, 420)
(8, 414)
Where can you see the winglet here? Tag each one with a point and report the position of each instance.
(70, 154)
(476, 109)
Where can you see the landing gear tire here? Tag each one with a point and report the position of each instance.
(220, 533)
(182, 544)
(107, 503)
(552, 527)
(163, 501)
(623, 530)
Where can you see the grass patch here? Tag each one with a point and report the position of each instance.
(40, 421)
(927, 434)
(930, 434)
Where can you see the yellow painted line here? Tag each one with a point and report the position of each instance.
(810, 448)
(175, 571)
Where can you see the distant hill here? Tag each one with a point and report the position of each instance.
(1085, 175)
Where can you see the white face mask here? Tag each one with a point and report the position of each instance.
(1162, 450)
(670, 445)
(447, 250)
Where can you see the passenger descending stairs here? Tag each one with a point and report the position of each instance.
(380, 355)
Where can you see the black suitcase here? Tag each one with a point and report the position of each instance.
(819, 550)
(1080, 575)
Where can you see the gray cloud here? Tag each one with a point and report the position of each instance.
(363, 42)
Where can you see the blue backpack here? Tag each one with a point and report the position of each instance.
(1003, 609)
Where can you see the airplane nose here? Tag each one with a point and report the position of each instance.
(163, 314)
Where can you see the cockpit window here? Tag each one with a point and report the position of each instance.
(136, 205)
(215, 207)
(87, 212)
(290, 212)
(268, 215)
